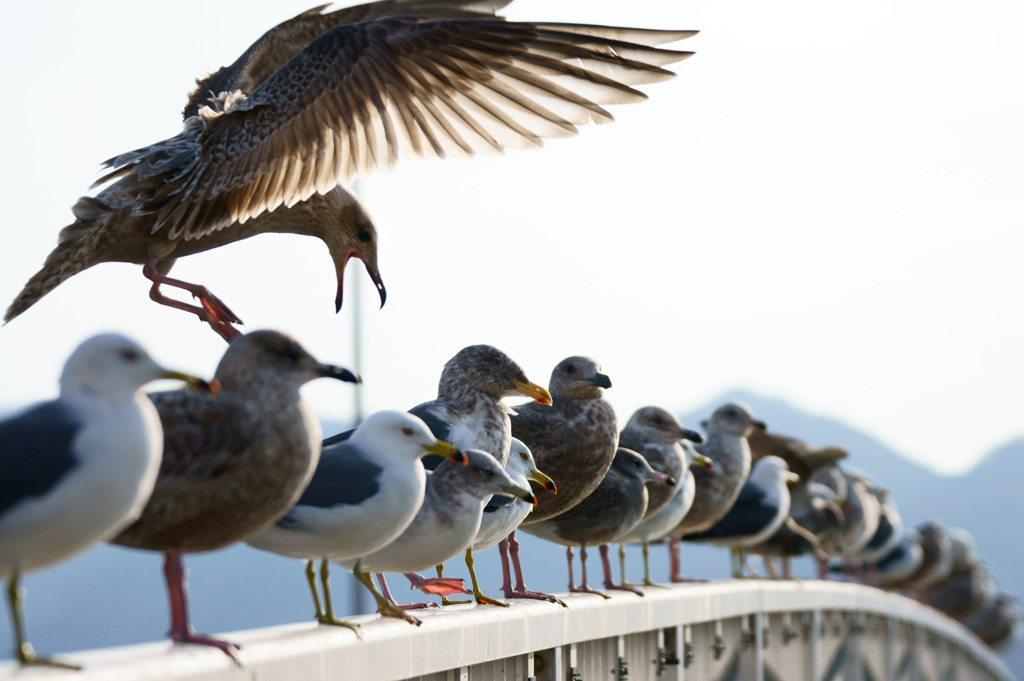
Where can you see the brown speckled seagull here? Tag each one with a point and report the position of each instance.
(574, 443)
(470, 413)
(233, 463)
(718, 487)
(319, 101)
(615, 506)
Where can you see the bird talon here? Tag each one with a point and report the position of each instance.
(334, 622)
(226, 647)
(446, 601)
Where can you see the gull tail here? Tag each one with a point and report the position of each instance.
(69, 257)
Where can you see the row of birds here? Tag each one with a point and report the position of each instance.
(267, 146)
(240, 458)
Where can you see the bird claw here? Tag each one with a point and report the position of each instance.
(536, 595)
(481, 599)
(335, 622)
(399, 612)
(27, 656)
(679, 579)
(226, 647)
(625, 587)
(215, 307)
(588, 590)
(419, 606)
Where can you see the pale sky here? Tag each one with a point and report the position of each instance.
(824, 206)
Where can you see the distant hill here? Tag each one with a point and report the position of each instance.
(114, 596)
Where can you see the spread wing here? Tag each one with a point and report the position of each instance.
(360, 95)
(284, 41)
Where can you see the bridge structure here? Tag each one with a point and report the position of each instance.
(733, 630)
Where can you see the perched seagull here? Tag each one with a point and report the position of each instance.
(717, 488)
(760, 510)
(969, 589)
(998, 624)
(662, 522)
(502, 514)
(470, 413)
(655, 434)
(895, 570)
(815, 515)
(444, 527)
(889, 533)
(938, 556)
(364, 493)
(319, 101)
(233, 463)
(658, 436)
(863, 513)
(79, 468)
(609, 512)
(815, 518)
(469, 410)
(574, 442)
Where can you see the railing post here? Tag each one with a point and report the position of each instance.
(891, 652)
(758, 624)
(816, 661)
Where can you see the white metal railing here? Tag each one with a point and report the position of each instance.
(750, 629)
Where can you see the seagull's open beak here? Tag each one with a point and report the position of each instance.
(340, 373)
(447, 451)
(371, 271)
(691, 435)
(701, 460)
(533, 390)
(517, 491)
(544, 481)
(212, 386)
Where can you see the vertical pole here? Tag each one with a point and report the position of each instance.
(816, 664)
(757, 621)
(360, 599)
(892, 648)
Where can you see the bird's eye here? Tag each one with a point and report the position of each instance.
(364, 235)
(407, 431)
(129, 355)
(523, 456)
(570, 369)
(495, 362)
(292, 353)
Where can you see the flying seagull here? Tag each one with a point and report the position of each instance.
(319, 101)
(79, 468)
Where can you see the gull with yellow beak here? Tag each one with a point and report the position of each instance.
(365, 492)
(79, 468)
(445, 526)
